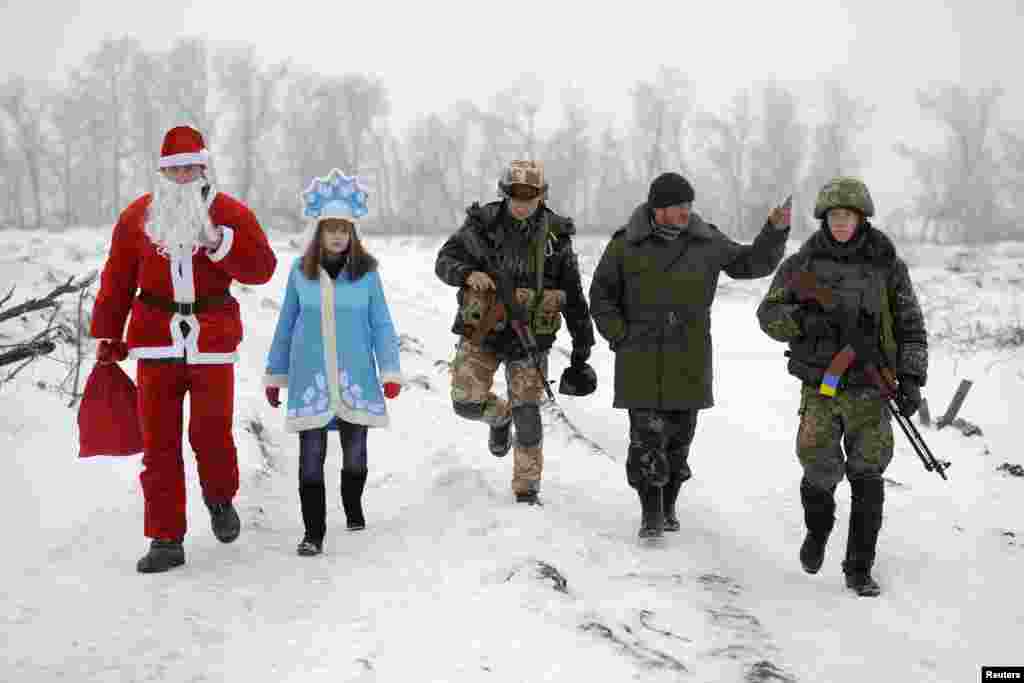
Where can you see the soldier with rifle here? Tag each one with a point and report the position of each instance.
(846, 306)
(517, 275)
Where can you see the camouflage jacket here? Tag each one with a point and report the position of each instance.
(850, 269)
(652, 301)
(489, 236)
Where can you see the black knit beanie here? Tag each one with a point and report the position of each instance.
(669, 189)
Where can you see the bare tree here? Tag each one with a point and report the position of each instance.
(25, 118)
(957, 185)
(1012, 185)
(432, 196)
(568, 158)
(70, 120)
(834, 142)
(617, 192)
(778, 155)
(147, 80)
(663, 110)
(729, 147)
(189, 92)
(108, 76)
(252, 90)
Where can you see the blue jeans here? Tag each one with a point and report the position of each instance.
(313, 452)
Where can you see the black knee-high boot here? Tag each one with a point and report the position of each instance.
(653, 513)
(314, 511)
(352, 483)
(669, 495)
(867, 497)
(819, 518)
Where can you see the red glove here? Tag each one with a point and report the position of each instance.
(273, 396)
(111, 351)
(391, 389)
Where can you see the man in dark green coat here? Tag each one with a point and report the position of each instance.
(651, 298)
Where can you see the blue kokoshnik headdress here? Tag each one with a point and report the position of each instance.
(335, 196)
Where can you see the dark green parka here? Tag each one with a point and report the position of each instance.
(490, 235)
(864, 273)
(651, 299)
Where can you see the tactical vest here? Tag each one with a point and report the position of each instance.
(854, 286)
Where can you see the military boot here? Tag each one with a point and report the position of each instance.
(500, 440)
(867, 497)
(819, 517)
(653, 516)
(352, 484)
(164, 554)
(669, 495)
(224, 521)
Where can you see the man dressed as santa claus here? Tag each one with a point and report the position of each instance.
(173, 256)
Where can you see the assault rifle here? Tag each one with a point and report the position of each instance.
(863, 343)
(507, 305)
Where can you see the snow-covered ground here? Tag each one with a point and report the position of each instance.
(452, 581)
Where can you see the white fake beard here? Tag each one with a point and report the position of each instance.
(177, 216)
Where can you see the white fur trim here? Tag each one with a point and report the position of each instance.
(186, 159)
(181, 345)
(228, 237)
(327, 331)
(182, 275)
(301, 424)
(275, 380)
(395, 377)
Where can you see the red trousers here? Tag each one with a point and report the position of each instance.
(162, 389)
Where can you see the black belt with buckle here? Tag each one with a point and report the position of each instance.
(199, 306)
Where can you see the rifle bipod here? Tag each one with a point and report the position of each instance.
(929, 461)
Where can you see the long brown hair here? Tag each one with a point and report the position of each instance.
(359, 261)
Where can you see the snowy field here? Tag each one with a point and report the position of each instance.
(452, 581)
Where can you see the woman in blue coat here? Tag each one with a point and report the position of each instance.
(333, 334)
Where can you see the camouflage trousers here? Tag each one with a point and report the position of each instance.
(856, 421)
(659, 446)
(472, 374)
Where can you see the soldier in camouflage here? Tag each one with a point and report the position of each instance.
(532, 245)
(859, 264)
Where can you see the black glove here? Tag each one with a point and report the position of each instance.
(908, 398)
(814, 324)
(579, 379)
(579, 356)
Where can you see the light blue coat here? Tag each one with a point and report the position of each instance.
(331, 337)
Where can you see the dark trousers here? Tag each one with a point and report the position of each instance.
(659, 446)
(312, 491)
(313, 451)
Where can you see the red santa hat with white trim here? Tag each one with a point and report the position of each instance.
(183, 146)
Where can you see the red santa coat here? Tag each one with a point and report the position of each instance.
(134, 263)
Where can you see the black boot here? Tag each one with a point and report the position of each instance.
(313, 498)
(669, 495)
(867, 497)
(500, 440)
(352, 484)
(224, 520)
(819, 518)
(653, 517)
(164, 553)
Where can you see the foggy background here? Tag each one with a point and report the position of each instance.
(429, 100)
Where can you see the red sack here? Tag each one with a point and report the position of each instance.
(108, 416)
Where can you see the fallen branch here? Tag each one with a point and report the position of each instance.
(48, 301)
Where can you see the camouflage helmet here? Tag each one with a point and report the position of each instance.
(845, 192)
(529, 173)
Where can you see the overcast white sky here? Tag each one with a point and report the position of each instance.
(431, 53)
